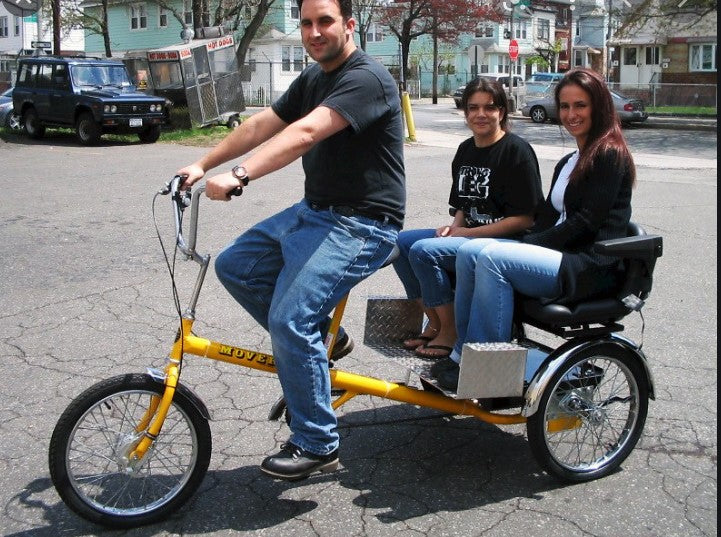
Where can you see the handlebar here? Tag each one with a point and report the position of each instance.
(180, 200)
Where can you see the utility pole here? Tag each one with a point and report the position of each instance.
(56, 26)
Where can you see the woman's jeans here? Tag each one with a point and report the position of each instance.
(488, 271)
(425, 265)
(289, 272)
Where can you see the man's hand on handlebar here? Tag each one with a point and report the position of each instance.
(222, 187)
(191, 174)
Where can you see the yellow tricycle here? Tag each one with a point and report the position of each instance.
(131, 449)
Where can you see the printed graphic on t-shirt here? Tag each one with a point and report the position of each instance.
(474, 187)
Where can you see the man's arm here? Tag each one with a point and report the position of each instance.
(249, 135)
(294, 141)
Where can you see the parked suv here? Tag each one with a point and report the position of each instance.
(515, 95)
(93, 96)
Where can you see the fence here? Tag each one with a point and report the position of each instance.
(659, 95)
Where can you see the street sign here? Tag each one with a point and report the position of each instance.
(41, 44)
(513, 50)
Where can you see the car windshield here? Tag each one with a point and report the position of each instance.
(100, 75)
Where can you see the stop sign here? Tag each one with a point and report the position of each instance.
(513, 50)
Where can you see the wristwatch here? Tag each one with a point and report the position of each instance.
(240, 174)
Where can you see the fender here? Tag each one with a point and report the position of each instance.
(159, 377)
(552, 364)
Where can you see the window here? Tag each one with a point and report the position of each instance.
(138, 17)
(544, 29)
(18, 22)
(374, 33)
(162, 17)
(484, 30)
(702, 57)
(629, 56)
(294, 10)
(653, 55)
(60, 76)
(297, 59)
(188, 12)
(578, 58)
(521, 29)
(3, 26)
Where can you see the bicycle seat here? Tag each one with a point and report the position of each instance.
(392, 256)
(639, 253)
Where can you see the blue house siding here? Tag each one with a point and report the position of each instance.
(122, 38)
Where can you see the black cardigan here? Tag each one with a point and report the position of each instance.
(598, 207)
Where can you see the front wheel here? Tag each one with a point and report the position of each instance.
(91, 442)
(538, 114)
(591, 415)
(150, 134)
(87, 129)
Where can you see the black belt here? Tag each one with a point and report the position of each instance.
(347, 210)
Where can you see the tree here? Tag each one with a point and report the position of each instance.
(93, 19)
(664, 15)
(444, 20)
(366, 12)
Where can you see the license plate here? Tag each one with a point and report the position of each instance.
(136, 122)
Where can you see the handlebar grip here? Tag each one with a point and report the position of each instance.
(237, 191)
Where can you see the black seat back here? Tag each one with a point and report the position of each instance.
(638, 252)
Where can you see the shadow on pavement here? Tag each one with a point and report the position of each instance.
(398, 462)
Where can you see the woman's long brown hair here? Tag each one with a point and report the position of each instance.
(605, 134)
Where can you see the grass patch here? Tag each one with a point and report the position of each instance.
(204, 136)
(702, 111)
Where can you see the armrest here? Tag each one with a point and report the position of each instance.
(642, 247)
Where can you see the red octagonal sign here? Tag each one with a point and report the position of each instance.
(513, 49)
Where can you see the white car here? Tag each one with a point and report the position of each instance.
(8, 118)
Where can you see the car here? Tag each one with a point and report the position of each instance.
(518, 94)
(629, 110)
(8, 118)
(93, 96)
(545, 77)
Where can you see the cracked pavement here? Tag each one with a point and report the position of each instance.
(85, 295)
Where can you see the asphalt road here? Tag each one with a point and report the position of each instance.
(84, 295)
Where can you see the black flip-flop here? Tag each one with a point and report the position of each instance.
(424, 339)
(419, 351)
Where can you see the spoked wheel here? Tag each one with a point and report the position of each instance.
(91, 442)
(591, 415)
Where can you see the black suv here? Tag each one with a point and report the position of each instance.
(93, 96)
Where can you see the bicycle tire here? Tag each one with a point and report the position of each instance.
(87, 454)
(591, 415)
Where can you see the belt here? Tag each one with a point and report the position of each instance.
(347, 210)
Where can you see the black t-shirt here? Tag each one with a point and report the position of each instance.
(490, 183)
(362, 165)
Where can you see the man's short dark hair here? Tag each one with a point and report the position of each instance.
(346, 7)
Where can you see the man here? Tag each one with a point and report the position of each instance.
(342, 115)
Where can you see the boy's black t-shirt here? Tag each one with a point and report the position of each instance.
(490, 183)
(362, 165)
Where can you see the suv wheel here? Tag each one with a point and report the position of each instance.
(87, 130)
(150, 135)
(33, 127)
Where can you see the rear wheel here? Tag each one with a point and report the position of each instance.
(538, 114)
(32, 124)
(93, 438)
(150, 134)
(591, 415)
(87, 129)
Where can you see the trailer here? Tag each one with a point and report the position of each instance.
(201, 74)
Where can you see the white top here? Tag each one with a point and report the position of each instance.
(559, 189)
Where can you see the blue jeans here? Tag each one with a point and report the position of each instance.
(289, 272)
(488, 271)
(425, 265)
